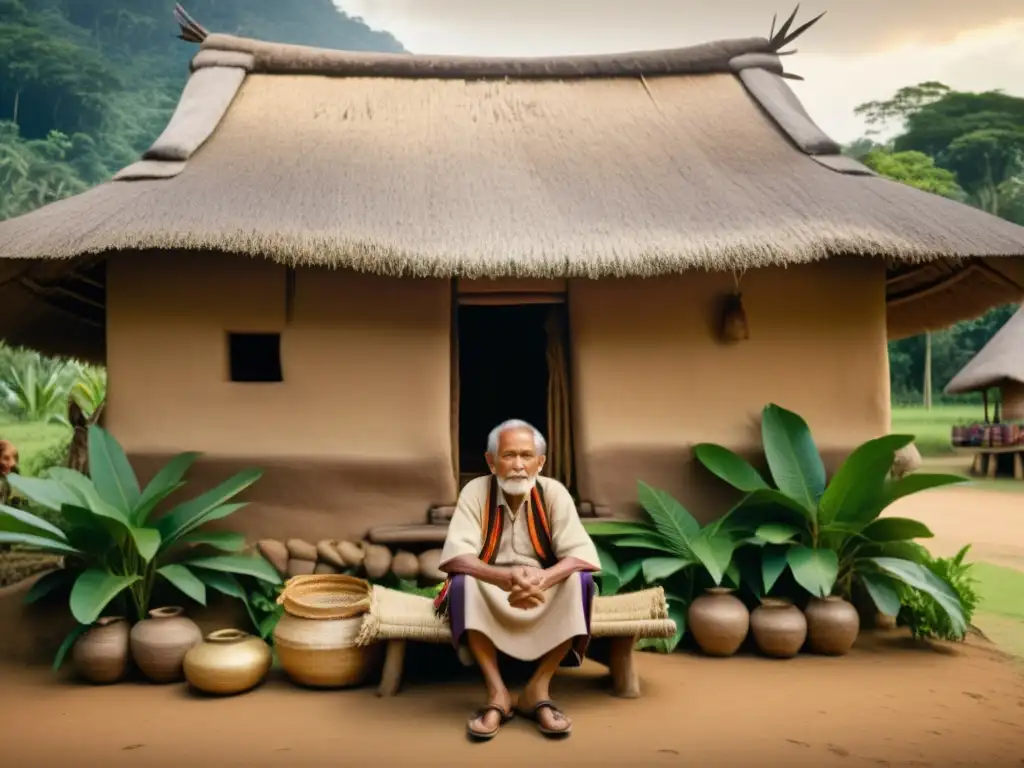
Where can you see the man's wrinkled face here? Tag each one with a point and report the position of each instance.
(517, 463)
(8, 457)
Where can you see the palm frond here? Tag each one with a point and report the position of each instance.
(783, 37)
(191, 30)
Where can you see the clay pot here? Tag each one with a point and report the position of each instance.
(101, 654)
(779, 628)
(718, 621)
(884, 621)
(229, 661)
(159, 643)
(832, 625)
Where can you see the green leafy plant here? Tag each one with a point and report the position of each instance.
(113, 547)
(924, 616)
(37, 390)
(670, 550)
(830, 534)
(90, 388)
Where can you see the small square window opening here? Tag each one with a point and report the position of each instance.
(254, 357)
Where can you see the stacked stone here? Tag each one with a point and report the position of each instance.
(374, 561)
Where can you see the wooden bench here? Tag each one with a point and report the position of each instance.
(617, 623)
(986, 459)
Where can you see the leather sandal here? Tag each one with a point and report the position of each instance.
(533, 714)
(505, 716)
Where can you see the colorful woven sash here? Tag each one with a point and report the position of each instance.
(492, 525)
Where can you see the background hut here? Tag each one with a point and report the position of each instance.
(998, 365)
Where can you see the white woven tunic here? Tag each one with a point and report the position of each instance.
(522, 634)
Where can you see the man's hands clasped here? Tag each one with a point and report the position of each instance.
(526, 587)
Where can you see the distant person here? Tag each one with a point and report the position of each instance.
(8, 464)
(520, 567)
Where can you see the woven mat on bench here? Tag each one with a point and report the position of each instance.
(395, 615)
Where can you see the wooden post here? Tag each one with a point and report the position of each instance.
(928, 371)
(394, 664)
(993, 465)
(625, 681)
(1018, 465)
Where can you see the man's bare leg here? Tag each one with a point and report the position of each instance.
(539, 689)
(486, 656)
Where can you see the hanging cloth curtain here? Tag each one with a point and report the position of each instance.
(559, 462)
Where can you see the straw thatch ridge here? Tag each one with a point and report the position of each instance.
(1001, 360)
(286, 59)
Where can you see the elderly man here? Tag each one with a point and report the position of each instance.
(519, 564)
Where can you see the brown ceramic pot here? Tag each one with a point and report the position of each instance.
(718, 621)
(832, 625)
(159, 643)
(101, 654)
(229, 661)
(883, 621)
(779, 628)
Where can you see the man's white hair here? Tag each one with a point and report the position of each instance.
(538, 438)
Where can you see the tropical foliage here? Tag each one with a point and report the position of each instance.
(966, 146)
(115, 549)
(923, 615)
(86, 86)
(672, 550)
(830, 534)
(34, 387)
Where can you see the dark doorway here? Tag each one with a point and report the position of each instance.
(503, 374)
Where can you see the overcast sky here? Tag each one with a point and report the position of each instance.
(860, 51)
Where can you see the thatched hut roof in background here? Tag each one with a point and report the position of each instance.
(602, 166)
(999, 361)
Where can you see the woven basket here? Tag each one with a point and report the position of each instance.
(325, 596)
(315, 639)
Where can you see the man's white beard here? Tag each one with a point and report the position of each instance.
(517, 486)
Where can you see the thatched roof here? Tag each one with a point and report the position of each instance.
(999, 361)
(602, 166)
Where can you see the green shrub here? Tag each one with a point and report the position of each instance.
(923, 615)
(53, 455)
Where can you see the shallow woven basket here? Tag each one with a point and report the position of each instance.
(316, 638)
(325, 596)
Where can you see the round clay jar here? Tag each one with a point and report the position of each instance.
(779, 628)
(832, 625)
(101, 654)
(718, 621)
(229, 661)
(159, 643)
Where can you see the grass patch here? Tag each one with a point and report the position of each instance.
(1001, 590)
(39, 445)
(933, 429)
(1001, 610)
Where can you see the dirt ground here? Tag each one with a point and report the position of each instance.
(890, 702)
(991, 521)
(887, 703)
